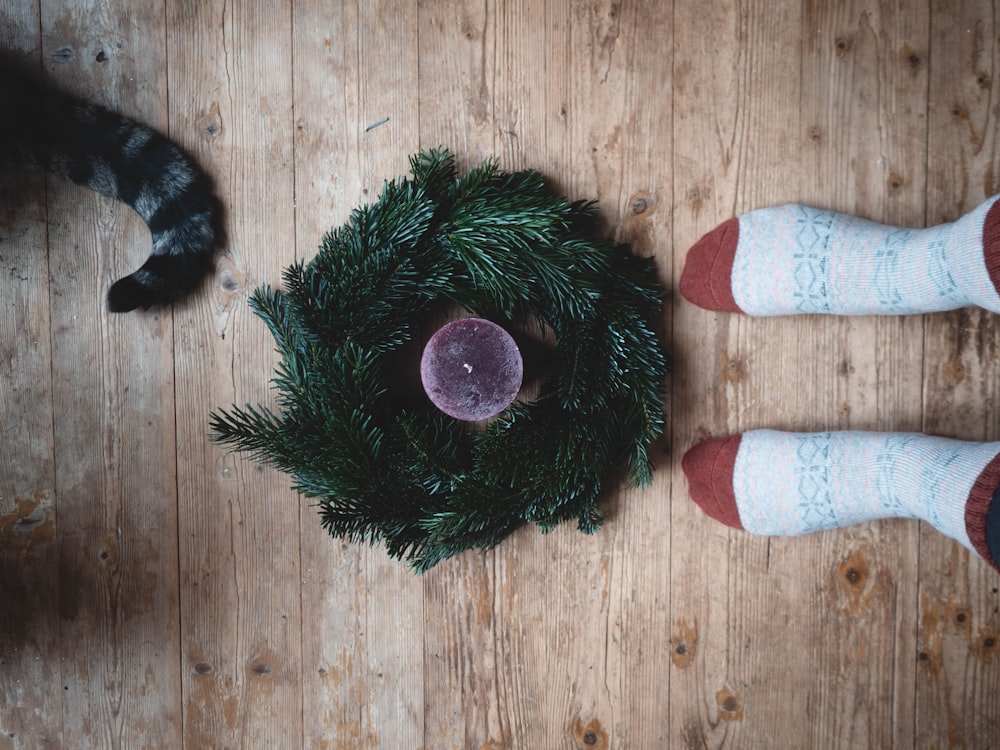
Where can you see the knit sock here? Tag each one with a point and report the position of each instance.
(794, 259)
(787, 484)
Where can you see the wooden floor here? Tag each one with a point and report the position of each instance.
(157, 592)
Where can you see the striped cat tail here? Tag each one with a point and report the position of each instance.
(126, 160)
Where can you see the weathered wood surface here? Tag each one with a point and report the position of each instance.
(158, 592)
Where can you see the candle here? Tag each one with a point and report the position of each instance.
(471, 369)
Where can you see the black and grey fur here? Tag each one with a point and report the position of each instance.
(123, 159)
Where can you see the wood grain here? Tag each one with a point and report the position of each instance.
(463, 668)
(238, 523)
(959, 620)
(335, 678)
(30, 681)
(112, 395)
(156, 591)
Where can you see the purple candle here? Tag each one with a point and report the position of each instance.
(471, 369)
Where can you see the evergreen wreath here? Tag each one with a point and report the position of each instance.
(388, 467)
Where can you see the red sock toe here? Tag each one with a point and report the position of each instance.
(706, 279)
(709, 470)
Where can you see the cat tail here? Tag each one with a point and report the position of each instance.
(123, 159)
(126, 160)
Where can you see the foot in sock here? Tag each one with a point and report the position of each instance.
(794, 259)
(787, 484)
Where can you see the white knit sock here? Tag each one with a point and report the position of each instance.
(787, 484)
(794, 259)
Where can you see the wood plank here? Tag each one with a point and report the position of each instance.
(607, 104)
(725, 162)
(231, 104)
(386, 81)
(464, 654)
(959, 620)
(852, 93)
(871, 58)
(362, 612)
(335, 683)
(532, 599)
(114, 431)
(30, 681)
(457, 109)
(636, 155)
(519, 109)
